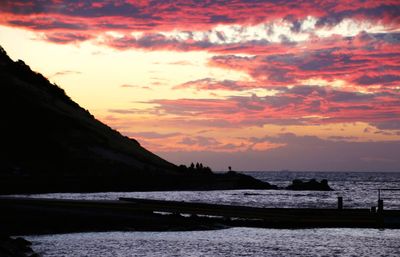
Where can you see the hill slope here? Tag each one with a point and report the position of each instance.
(49, 143)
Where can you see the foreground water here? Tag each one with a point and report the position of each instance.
(359, 190)
(228, 242)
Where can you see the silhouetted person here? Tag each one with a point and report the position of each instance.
(230, 168)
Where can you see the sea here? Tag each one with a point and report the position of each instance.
(358, 189)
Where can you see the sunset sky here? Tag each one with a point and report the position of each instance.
(252, 84)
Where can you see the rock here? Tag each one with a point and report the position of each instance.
(22, 242)
(18, 247)
(243, 181)
(311, 185)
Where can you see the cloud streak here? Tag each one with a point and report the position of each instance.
(300, 105)
(66, 72)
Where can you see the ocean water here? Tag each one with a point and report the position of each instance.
(359, 190)
(228, 242)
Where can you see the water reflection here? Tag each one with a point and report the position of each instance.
(228, 242)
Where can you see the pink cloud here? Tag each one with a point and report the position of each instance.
(65, 38)
(370, 61)
(213, 84)
(297, 105)
(155, 16)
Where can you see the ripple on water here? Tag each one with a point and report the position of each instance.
(228, 242)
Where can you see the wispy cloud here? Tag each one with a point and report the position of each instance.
(152, 135)
(135, 86)
(65, 72)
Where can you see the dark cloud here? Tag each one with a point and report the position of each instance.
(345, 96)
(373, 80)
(343, 138)
(289, 68)
(393, 124)
(48, 24)
(221, 19)
(64, 38)
(213, 84)
(199, 141)
(380, 10)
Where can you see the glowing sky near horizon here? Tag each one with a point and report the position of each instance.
(257, 85)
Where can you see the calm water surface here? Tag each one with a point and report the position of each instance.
(359, 190)
(228, 242)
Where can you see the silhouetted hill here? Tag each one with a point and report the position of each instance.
(49, 143)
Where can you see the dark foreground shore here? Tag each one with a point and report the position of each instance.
(144, 182)
(22, 216)
(16, 247)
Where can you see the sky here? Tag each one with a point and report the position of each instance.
(252, 84)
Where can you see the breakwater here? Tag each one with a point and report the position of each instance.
(29, 215)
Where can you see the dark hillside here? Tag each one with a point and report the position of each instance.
(50, 143)
(44, 131)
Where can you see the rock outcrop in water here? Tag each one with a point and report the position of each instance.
(50, 144)
(312, 185)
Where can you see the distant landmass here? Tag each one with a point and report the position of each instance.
(50, 144)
